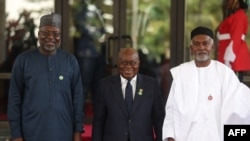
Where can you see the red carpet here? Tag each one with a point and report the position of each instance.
(88, 131)
(88, 126)
(3, 117)
(89, 110)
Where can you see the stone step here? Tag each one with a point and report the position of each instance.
(4, 131)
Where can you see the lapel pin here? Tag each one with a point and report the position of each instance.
(140, 91)
(210, 97)
(60, 77)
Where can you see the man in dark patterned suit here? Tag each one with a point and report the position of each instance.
(112, 120)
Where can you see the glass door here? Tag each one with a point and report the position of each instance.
(142, 24)
(99, 28)
(18, 33)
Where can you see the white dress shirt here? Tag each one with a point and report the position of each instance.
(124, 84)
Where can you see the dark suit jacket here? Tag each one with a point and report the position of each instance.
(111, 120)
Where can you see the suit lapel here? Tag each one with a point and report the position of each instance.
(138, 94)
(117, 93)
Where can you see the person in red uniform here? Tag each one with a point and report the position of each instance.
(232, 47)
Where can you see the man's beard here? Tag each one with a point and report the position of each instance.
(202, 56)
(49, 48)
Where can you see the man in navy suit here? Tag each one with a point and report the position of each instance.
(112, 120)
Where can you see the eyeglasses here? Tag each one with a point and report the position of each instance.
(125, 63)
(46, 34)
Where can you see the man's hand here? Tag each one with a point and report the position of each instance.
(77, 136)
(171, 139)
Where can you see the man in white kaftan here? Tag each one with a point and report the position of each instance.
(204, 96)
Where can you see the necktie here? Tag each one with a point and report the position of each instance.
(128, 96)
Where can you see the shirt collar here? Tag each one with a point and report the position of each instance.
(124, 80)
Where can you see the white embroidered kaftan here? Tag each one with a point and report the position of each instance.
(202, 100)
